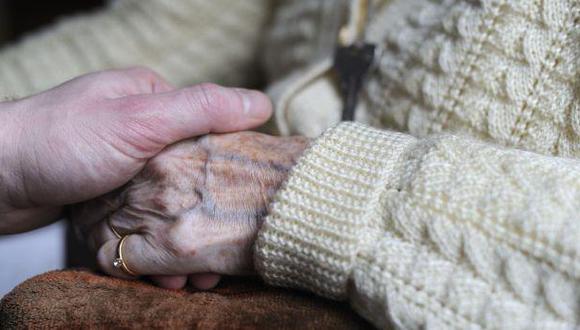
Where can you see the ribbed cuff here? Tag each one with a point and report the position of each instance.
(318, 220)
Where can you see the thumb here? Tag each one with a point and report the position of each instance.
(152, 121)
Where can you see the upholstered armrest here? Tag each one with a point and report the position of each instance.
(81, 299)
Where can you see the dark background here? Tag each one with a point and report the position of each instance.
(17, 17)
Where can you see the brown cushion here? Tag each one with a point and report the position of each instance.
(81, 299)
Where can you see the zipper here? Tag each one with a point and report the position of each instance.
(353, 57)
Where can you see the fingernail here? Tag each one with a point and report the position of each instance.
(246, 99)
(255, 104)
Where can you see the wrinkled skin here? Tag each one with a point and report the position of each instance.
(94, 133)
(195, 208)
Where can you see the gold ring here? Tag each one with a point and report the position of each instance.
(119, 236)
(119, 262)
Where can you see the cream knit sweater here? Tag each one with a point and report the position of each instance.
(186, 41)
(416, 229)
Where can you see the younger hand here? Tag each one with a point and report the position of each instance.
(94, 133)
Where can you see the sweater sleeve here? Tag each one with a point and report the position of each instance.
(186, 41)
(441, 232)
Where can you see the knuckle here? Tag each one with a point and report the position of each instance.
(207, 97)
(155, 169)
(177, 243)
(171, 159)
(156, 189)
(160, 202)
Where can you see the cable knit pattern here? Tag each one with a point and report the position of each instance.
(416, 231)
(170, 36)
(442, 232)
(446, 232)
(503, 71)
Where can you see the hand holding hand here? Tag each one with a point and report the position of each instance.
(92, 134)
(194, 209)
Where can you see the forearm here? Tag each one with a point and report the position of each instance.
(13, 221)
(16, 214)
(9, 139)
(440, 232)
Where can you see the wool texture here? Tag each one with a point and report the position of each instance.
(467, 217)
(440, 232)
(186, 41)
(500, 71)
(429, 230)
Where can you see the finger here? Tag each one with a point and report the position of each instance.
(19, 221)
(100, 234)
(126, 221)
(204, 281)
(87, 215)
(169, 117)
(108, 253)
(170, 282)
(145, 258)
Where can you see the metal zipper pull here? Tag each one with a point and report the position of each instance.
(353, 59)
(352, 64)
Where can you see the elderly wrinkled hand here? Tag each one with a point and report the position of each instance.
(194, 209)
(94, 133)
